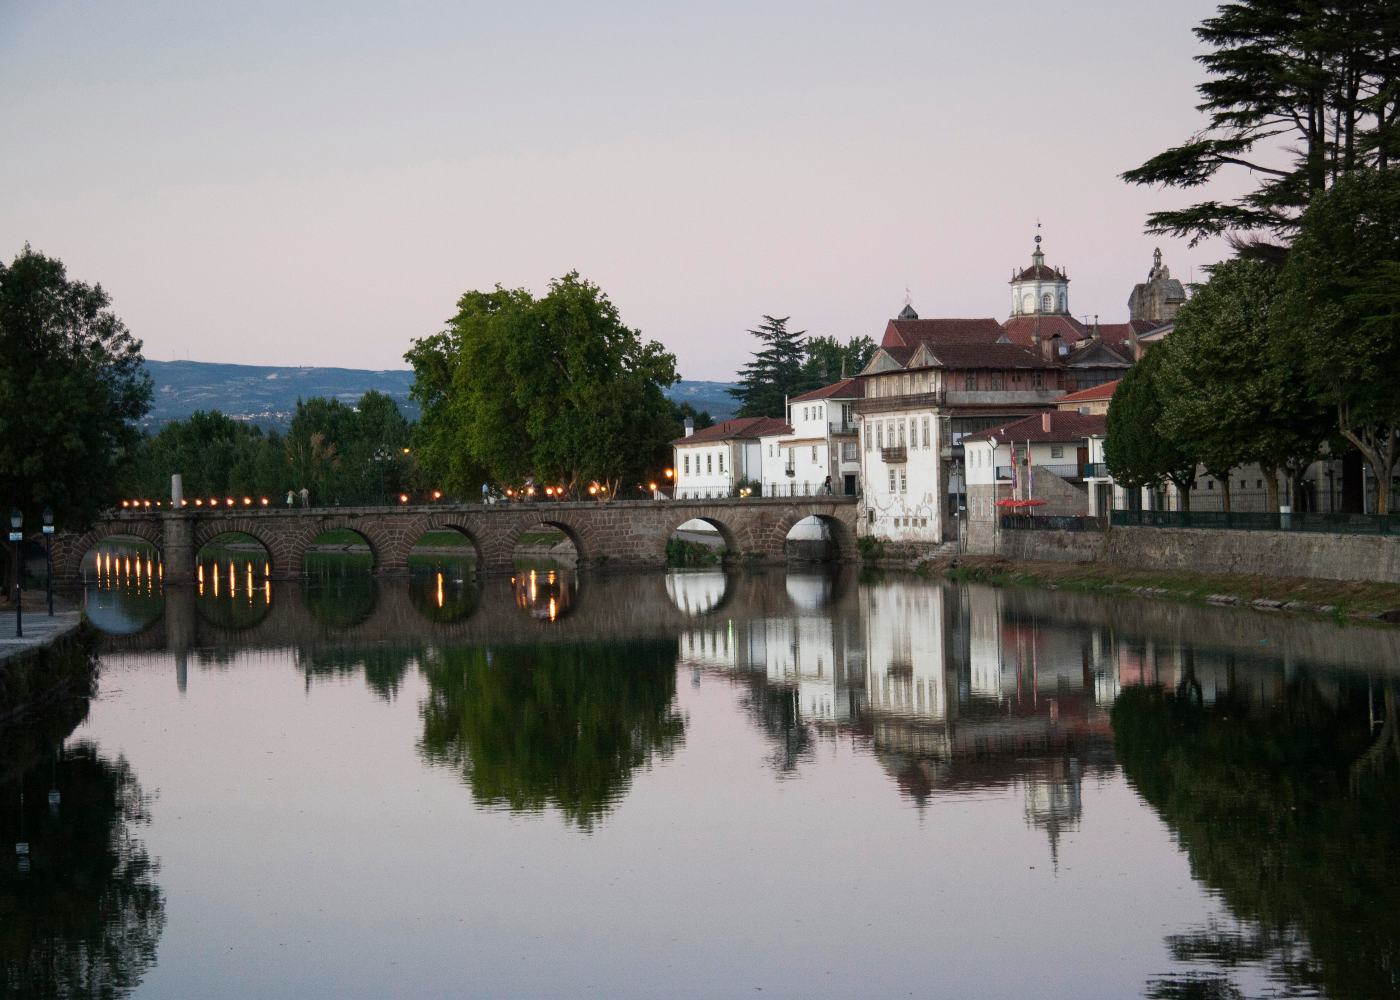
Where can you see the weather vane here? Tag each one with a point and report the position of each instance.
(1037, 230)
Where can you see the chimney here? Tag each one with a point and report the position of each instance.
(1096, 326)
(1045, 422)
(689, 427)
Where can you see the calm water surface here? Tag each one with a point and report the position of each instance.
(699, 784)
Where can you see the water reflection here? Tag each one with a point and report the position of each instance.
(80, 910)
(562, 727)
(1270, 758)
(545, 594)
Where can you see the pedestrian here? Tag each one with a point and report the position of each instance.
(485, 493)
(305, 498)
(826, 487)
(291, 499)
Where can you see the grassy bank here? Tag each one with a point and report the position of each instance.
(1333, 598)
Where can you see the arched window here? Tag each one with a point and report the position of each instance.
(1047, 302)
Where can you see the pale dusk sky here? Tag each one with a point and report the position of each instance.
(317, 183)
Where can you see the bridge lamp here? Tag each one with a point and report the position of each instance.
(265, 501)
(549, 491)
(228, 501)
(652, 487)
(437, 494)
(198, 502)
(670, 473)
(247, 501)
(593, 491)
(403, 498)
(125, 504)
(510, 492)
(213, 501)
(148, 503)
(529, 491)
(406, 451)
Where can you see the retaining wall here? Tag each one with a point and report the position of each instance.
(1210, 550)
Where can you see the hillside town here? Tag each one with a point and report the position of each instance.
(955, 423)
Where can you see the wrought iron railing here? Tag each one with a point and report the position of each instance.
(1343, 524)
(1052, 522)
(899, 453)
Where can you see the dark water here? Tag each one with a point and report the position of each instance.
(781, 784)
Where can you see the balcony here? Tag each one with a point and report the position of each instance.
(894, 456)
(913, 401)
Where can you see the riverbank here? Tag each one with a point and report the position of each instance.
(1357, 600)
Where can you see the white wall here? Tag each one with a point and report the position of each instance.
(905, 496)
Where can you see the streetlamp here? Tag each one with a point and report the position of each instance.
(17, 536)
(48, 556)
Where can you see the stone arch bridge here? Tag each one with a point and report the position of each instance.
(608, 534)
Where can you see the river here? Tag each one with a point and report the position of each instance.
(701, 784)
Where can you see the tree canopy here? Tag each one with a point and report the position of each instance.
(555, 387)
(1339, 313)
(775, 373)
(1136, 452)
(72, 388)
(1299, 93)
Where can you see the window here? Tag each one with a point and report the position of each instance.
(869, 438)
(970, 382)
(903, 481)
(926, 444)
(996, 381)
(709, 463)
(906, 385)
(721, 461)
(1047, 302)
(880, 434)
(1210, 484)
(814, 453)
(1057, 451)
(687, 465)
(891, 480)
(1037, 380)
(901, 433)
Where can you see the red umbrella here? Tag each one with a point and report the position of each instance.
(1008, 502)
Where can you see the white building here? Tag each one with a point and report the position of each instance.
(713, 462)
(823, 444)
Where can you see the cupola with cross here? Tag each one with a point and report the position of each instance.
(1039, 290)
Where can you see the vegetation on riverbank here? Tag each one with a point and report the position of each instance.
(1337, 598)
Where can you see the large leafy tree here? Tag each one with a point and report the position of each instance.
(1229, 398)
(1137, 453)
(215, 455)
(1339, 313)
(776, 371)
(1298, 93)
(829, 360)
(557, 388)
(349, 454)
(72, 388)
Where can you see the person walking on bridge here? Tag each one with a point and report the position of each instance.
(305, 498)
(291, 499)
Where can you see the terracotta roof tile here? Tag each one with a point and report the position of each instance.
(1022, 329)
(912, 332)
(1097, 392)
(846, 388)
(740, 427)
(1064, 426)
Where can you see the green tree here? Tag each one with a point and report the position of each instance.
(72, 387)
(1299, 93)
(215, 455)
(775, 373)
(1229, 397)
(1137, 453)
(828, 360)
(557, 388)
(1339, 315)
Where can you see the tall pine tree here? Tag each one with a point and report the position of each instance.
(775, 371)
(1299, 92)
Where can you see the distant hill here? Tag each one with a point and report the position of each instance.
(267, 395)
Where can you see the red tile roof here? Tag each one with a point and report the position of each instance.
(1022, 329)
(989, 355)
(1039, 272)
(912, 332)
(1104, 391)
(845, 389)
(740, 427)
(1064, 426)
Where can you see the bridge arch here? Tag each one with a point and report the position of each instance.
(206, 532)
(843, 539)
(559, 520)
(69, 551)
(459, 525)
(376, 540)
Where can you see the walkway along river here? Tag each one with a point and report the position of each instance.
(702, 784)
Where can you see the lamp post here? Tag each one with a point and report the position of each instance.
(48, 556)
(16, 537)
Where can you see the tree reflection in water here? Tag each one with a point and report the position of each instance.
(1274, 813)
(83, 920)
(563, 726)
(384, 666)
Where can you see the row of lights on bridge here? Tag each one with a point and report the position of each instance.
(232, 502)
